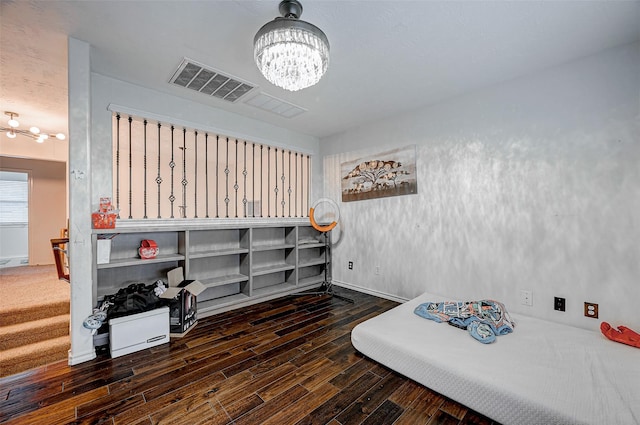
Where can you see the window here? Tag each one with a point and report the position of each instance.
(14, 198)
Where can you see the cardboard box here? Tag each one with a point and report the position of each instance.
(183, 305)
(138, 331)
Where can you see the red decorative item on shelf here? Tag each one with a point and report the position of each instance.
(105, 217)
(148, 249)
(105, 204)
(103, 220)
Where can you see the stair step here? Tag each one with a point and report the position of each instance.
(25, 314)
(33, 355)
(34, 331)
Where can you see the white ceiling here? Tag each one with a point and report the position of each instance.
(387, 57)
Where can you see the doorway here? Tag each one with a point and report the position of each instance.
(43, 212)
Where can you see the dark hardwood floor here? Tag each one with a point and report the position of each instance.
(287, 361)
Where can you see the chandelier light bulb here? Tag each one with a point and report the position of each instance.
(60, 136)
(34, 130)
(11, 134)
(13, 122)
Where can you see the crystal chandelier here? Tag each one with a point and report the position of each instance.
(33, 133)
(291, 53)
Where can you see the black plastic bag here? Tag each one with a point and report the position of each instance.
(135, 298)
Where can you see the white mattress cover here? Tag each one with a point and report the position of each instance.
(543, 373)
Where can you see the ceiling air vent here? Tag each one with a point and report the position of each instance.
(210, 81)
(273, 104)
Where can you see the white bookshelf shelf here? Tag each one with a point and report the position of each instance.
(240, 263)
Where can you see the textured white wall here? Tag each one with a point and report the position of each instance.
(80, 173)
(531, 184)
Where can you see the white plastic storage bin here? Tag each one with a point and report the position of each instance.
(139, 331)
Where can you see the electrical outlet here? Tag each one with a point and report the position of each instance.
(559, 303)
(591, 310)
(350, 265)
(377, 270)
(526, 298)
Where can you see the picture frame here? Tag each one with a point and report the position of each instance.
(380, 175)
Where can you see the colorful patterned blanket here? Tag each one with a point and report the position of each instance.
(483, 319)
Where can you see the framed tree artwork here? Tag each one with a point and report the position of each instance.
(380, 175)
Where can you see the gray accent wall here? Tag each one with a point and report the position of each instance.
(532, 184)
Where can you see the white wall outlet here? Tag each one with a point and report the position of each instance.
(526, 297)
(377, 270)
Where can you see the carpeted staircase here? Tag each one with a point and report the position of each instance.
(34, 319)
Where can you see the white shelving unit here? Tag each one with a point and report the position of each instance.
(240, 262)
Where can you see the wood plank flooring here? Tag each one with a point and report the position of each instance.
(286, 361)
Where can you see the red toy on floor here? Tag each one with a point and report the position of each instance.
(623, 334)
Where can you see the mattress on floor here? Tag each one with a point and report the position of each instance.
(541, 374)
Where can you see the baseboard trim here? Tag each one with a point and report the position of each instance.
(84, 357)
(370, 291)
